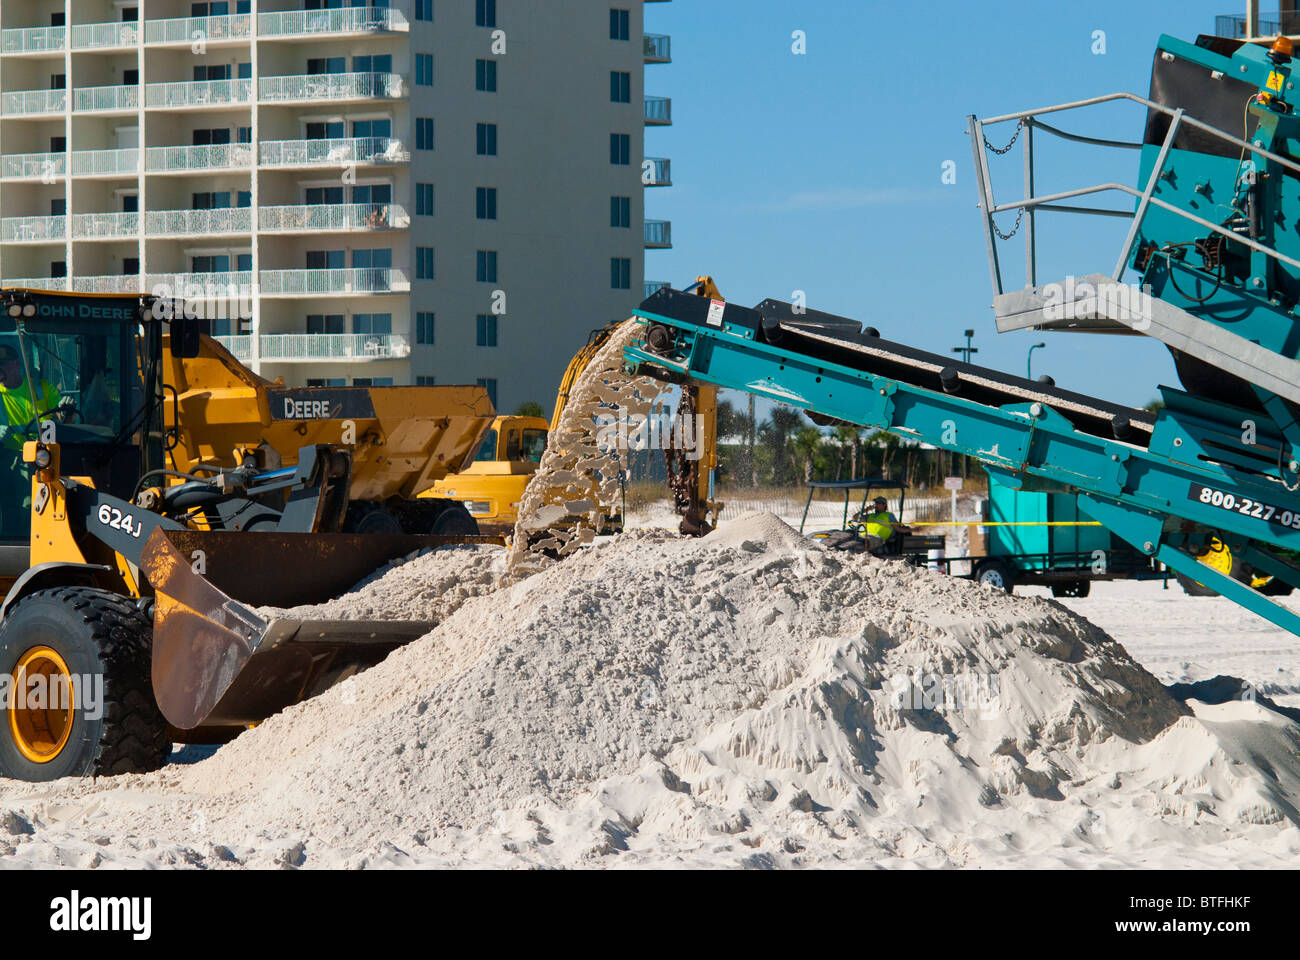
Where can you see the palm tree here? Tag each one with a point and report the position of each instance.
(806, 443)
(849, 435)
(776, 435)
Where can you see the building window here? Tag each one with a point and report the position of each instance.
(372, 324)
(326, 323)
(376, 63)
(620, 87)
(372, 381)
(486, 203)
(485, 13)
(487, 330)
(424, 199)
(620, 212)
(620, 25)
(58, 144)
(424, 133)
(131, 267)
(487, 266)
(485, 75)
(424, 10)
(424, 323)
(487, 139)
(327, 381)
(59, 268)
(424, 69)
(423, 381)
(490, 385)
(620, 149)
(424, 263)
(620, 273)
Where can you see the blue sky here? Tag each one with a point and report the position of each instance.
(822, 172)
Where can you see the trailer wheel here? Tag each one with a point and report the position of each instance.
(97, 645)
(1072, 588)
(995, 574)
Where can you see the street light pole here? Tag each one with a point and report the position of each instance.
(1029, 362)
(967, 350)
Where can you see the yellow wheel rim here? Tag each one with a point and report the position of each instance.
(1218, 557)
(42, 731)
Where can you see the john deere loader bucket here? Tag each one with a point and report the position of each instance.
(218, 663)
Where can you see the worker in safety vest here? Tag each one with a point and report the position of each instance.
(21, 408)
(879, 525)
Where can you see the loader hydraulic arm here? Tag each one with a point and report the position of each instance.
(1165, 484)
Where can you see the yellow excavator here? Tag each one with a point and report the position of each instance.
(492, 487)
(136, 593)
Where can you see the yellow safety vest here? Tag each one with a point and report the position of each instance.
(880, 525)
(20, 410)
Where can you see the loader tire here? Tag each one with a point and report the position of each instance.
(111, 724)
(455, 520)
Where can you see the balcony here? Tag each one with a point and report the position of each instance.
(657, 172)
(230, 285)
(113, 283)
(184, 31)
(101, 36)
(22, 40)
(359, 280)
(241, 347)
(39, 283)
(105, 163)
(105, 226)
(653, 286)
(332, 218)
(324, 347)
(33, 229)
(336, 153)
(658, 48)
(106, 99)
(658, 234)
(333, 87)
(658, 111)
(1234, 27)
(316, 23)
(33, 166)
(198, 93)
(30, 103)
(217, 156)
(198, 223)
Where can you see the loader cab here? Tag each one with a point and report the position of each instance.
(82, 372)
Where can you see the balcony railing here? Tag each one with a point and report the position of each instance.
(295, 153)
(658, 48)
(230, 285)
(198, 222)
(331, 86)
(651, 286)
(187, 30)
(216, 156)
(89, 163)
(324, 217)
(38, 283)
(116, 33)
(658, 111)
(33, 166)
(113, 283)
(33, 39)
(356, 280)
(92, 226)
(240, 346)
(199, 93)
(1234, 27)
(106, 98)
(658, 234)
(333, 346)
(312, 23)
(33, 229)
(659, 173)
(30, 102)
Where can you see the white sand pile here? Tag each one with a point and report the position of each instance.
(745, 699)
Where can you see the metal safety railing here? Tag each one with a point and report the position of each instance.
(187, 30)
(1028, 122)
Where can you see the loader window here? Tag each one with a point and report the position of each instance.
(488, 452)
(512, 446)
(534, 445)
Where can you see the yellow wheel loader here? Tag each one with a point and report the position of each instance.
(131, 616)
